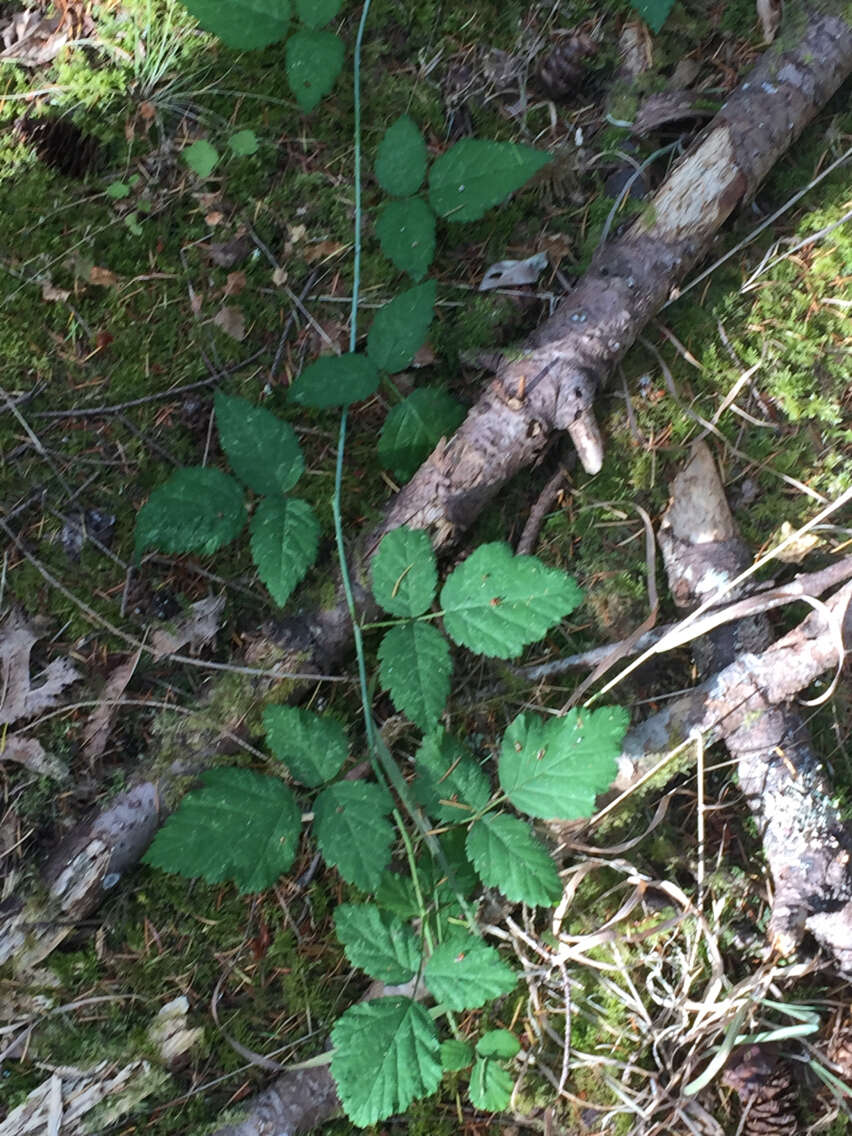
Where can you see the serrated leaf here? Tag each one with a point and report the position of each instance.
(398, 330)
(335, 380)
(450, 785)
(500, 1043)
(263, 451)
(464, 973)
(495, 603)
(413, 428)
(313, 60)
(243, 143)
(201, 158)
(401, 158)
(415, 668)
(284, 543)
(404, 571)
(455, 1055)
(653, 12)
(312, 747)
(433, 871)
(315, 13)
(555, 767)
(490, 1086)
(377, 942)
(196, 510)
(241, 826)
(397, 893)
(406, 232)
(385, 1056)
(508, 857)
(475, 174)
(352, 832)
(242, 24)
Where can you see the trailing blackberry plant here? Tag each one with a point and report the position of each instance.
(413, 927)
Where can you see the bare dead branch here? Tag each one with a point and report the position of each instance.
(553, 384)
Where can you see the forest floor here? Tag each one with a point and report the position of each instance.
(132, 288)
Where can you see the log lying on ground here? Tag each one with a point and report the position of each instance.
(108, 841)
(295, 1102)
(739, 691)
(552, 386)
(745, 704)
(808, 849)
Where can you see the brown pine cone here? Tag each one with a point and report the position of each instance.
(765, 1087)
(840, 1045)
(561, 71)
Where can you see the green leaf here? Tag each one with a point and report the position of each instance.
(555, 767)
(414, 427)
(474, 174)
(241, 826)
(508, 857)
(335, 380)
(385, 1056)
(406, 232)
(131, 220)
(450, 785)
(242, 24)
(498, 1043)
(315, 13)
(313, 60)
(455, 1055)
(196, 510)
(653, 12)
(404, 572)
(399, 328)
(244, 143)
(377, 942)
(490, 1086)
(464, 973)
(496, 603)
(312, 747)
(263, 451)
(415, 668)
(401, 158)
(397, 893)
(201, 158)
(117, 189)
(352, 832)
(284, 543)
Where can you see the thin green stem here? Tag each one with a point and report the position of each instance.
(384, 766)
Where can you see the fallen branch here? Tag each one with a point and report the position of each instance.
(808, 849)
(553, 384)
(722, 702)
(297, 1101)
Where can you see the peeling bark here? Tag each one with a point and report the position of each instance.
(807, 847)
(294, 1102)
(553, 384)
(723, 703)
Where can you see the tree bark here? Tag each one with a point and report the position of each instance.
(553, 384)
(808, 849)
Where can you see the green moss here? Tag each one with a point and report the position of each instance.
(144, 332)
